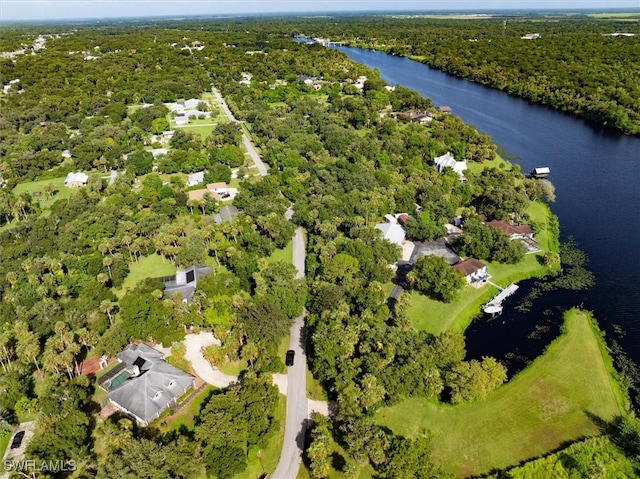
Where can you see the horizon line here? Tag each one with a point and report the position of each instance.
(363, 12)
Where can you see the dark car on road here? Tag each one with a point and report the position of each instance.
(17, 440)
(289, 358)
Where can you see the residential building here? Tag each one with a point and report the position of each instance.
(185, 282)
(392, 232)
(473, 270)
(195, 178)
(157, 152)
(226, 214)
(514, 231)
(197, 195)
(143, 384)
(76, 179)
(446, 160)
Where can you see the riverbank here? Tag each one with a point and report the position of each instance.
(542, 408)
(434, 316)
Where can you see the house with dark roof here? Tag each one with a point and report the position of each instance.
(143, 384)
(474, 271)
(185, 282)
(226, 214)
(514, 231)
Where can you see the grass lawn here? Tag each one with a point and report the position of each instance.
(187, 415)
(435, 316)
(476, 167)
(314, 388)
(59, 191)
(203, 130)
(545, 406)
(282, 254)
(4, 441)
(387, 288)
(148, 267)
(233, 368)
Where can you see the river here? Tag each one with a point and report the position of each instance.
(596, 174)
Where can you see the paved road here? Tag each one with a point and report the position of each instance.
(297, 405)
(262, 169)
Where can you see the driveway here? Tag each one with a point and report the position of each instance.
(14, 456)
(262, 169)
(195, 343)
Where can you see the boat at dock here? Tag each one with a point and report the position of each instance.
(541, 172)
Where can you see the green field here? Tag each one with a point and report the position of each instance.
(147, 267)
(550, 403)
(38, 187)
(435, 316)
(204, 130)
(4, 441)
(282, 254)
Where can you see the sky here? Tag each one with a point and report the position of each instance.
(80, 9)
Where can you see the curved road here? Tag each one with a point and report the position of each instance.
(297, 407)
(262, 169)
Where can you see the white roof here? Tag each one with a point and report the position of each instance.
(195, 178)
(76, 178)
(543, 170)
(192, 103)
(447, 160)
(159, 152)
(394, 233)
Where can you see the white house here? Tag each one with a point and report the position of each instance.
(76, 179)
(446, 160)
(156, 152)
(192, 104)
(181, 119)
(195, 178)
(394, 233)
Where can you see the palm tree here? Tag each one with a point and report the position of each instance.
(107, 307)
(102, 278)
(108, 261)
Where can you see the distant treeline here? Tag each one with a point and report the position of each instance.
(575, 64)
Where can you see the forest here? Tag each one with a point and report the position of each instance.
(575, 64)
(81, 268)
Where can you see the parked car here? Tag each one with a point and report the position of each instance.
(17, 440)
(289, 358)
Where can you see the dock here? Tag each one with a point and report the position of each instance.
(542, 172)
(494, 307)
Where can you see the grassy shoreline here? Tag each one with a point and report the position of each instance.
(436, 317)
(542, 408)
